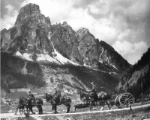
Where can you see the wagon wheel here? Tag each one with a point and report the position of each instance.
(126, 99)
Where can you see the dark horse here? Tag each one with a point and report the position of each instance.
(56, 100)
(93, 98)
(104, 98)
(28, 103)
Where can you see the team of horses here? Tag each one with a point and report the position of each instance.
(89, 99)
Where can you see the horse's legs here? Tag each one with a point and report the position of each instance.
(91, 105)
(39, 107)
(108, 104)
(30, 109)
(21, 111)
(75, 108)
(68, 108)
(16, 109)
(54, 107)
(102, 108)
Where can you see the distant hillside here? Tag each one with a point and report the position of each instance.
(137, 79)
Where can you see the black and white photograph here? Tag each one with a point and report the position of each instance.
(75, 59)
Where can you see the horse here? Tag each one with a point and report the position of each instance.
(105, 99)
(56, 100)
(22, 104)
(88, 99)
(93, 98)
(35, 102)
(28, 103)
(88, 96)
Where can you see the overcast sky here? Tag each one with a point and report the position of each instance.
(124, 24)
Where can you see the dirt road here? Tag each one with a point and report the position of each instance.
(10, 116)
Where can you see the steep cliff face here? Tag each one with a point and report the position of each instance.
(63, 38)
(108, 55)
(33, 40)
(136, 80)
(87, 47)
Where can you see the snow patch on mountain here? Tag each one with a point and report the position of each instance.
(25, 56)
(58, 58)
(62, 59)
(46, 57)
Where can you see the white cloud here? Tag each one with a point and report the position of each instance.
(99, 7)
(9, 8)
(132, 52)
(9, 19)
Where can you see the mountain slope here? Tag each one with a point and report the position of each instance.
(36, 52)
(137, 79)
(19, 73)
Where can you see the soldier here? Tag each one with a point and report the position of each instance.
(93, 87)
(30, 95)
(57, 92)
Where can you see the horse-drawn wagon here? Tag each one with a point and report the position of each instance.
(103, 98)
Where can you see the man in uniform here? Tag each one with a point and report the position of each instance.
(93, 93)
(30, 95)
(93, 87)
(57, 92)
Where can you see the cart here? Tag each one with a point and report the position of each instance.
(124, 100)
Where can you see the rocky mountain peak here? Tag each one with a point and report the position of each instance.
(64, 23)
(29, 9)
(31, 12)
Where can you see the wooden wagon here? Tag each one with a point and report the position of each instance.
(124, 100)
